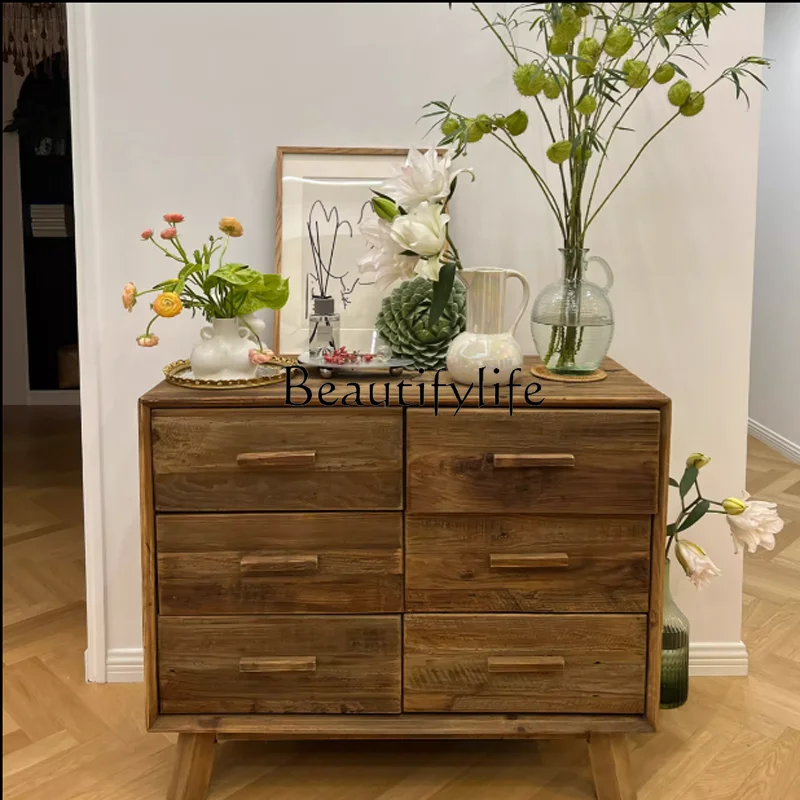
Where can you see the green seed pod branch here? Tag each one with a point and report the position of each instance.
(582, 67)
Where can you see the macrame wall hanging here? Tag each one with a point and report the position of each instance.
(32, 33)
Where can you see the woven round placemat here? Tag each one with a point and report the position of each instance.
(540, 371)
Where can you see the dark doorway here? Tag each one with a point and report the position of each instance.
(42, 121)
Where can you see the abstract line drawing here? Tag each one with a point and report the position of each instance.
(323, 272)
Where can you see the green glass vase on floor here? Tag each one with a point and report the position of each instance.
(674, 651)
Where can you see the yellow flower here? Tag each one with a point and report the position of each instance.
(231, 226)
(734, 506)
(698, 460)
(167, 304)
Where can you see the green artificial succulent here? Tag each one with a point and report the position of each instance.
(403, 320)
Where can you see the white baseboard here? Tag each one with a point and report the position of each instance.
(54, 397)
(717, 659)
(126, 665)
(774, 440)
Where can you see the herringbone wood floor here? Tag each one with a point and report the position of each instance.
(66, 740)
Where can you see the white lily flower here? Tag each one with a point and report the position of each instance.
(756, 526)
(429, 268)
(384, 257)
(423, 178)
(699, 568)
(423, 230)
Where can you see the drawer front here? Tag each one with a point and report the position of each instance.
(527, 563)
(280, 459)
(279, 665)
(571, 461)
(279, 563)
(509, 663)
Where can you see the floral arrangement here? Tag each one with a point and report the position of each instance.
(753, 523)
(583, 66)
(410, 232)
(231, 290)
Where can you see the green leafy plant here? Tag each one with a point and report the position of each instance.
(582, 67)
(231, 290)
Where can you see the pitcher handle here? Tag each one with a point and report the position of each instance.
(606, 269)
(526, 296)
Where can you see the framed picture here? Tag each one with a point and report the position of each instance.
(323, 194)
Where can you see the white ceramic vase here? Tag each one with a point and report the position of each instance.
(224, 353)
(486, 342)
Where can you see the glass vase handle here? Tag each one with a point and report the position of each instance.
(526, 296)
(606, 269)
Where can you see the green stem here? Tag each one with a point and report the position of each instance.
(224, 250)
(492, 29)
(179, 247)
(165, 251)
(249, 327)
(455, 250)
(546, 190)
(639, 153)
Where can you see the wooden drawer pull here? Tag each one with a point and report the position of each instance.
(525, 663)
(537, 561)
(288, 664)
(294, 458)
(297, 563)
(532, 460)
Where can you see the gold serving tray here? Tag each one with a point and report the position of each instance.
(179, 373)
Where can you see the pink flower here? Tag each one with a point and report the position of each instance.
(129, 296)
(147, 340)
(699, 568)
(169, 233)
(261, 356)
(173, 218)
(147, 234)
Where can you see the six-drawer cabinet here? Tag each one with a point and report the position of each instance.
(336, 571)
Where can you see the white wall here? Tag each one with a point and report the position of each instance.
(15, 354)
(186, 105)
(774, 357)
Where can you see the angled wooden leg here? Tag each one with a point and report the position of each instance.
(611, 767)
(191, 772)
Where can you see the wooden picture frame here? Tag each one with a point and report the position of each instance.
(384, 153)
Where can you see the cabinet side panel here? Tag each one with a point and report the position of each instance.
(149, 610)
(657, 572)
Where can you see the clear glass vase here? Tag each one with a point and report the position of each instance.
(674, 651)
(323, 327)
(572, 321)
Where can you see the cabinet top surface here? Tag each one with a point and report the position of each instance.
(621, 389)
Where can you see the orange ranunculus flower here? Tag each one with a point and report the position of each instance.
(231, 226)
(147, 340)
(129, 296)
(167, 304)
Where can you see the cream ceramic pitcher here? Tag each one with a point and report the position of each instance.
(487, 342)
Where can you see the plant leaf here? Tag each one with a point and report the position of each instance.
(189, 269)
(270, 291)
(695, 515)
(688, 479)
(673, 482)
(441, 292)
(233, 274)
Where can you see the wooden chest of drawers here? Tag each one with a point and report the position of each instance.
(362, 572)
